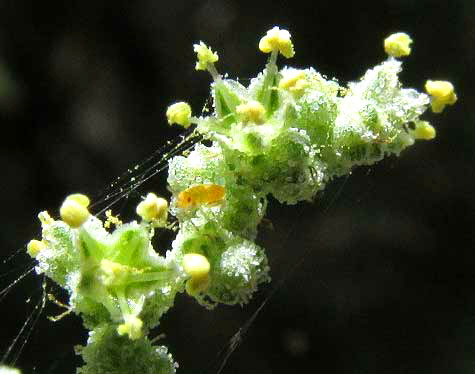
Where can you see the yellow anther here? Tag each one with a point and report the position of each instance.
(277, 40)
(252, 111)
(111, 220)
(113, 273)
(153, 208)
(205, 56)
(132, 326)
(294, 82)
(73, 212)
(442, 93)
(289, 81)
(197, 267)
(80, 199)
(398, 45)
(34, 247)
(179, 113)
(424, 130)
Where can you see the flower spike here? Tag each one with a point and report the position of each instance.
(283, 136)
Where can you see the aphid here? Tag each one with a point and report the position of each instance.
(200, 194)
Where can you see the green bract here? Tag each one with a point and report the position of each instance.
(287, 134)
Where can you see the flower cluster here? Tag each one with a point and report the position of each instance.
(287, 134)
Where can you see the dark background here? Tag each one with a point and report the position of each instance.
(385, 259)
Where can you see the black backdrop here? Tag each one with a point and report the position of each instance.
(385, 281)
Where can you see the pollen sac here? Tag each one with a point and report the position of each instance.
(197, 267)
(153, 209)
(34, 247)
(277, 40)
(398, 45)
(179, 113)
(205, 56)
(442, 93)
(252, 111)
(74, 210)
(294, 81)
(423, 130)
(80, 199)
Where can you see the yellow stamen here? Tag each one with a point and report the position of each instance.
(205, 56)
(153, 208)
(398, 45)
(442, 93)
(179, 113)
(34, 247)
(73, 212)
(424, 131)
(252, 111)
(277, 40)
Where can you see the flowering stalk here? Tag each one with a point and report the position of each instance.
(287, 134)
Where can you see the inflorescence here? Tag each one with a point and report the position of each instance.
(287, 134)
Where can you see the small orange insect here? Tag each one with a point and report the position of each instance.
(200, 194)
